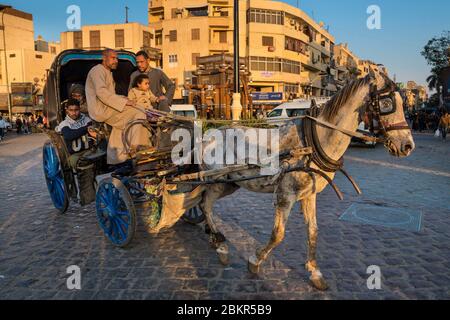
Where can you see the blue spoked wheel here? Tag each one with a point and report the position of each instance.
(194, 216)
(116, 213)
(55, 178)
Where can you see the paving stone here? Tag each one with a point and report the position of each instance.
(37, 244)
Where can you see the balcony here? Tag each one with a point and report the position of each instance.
(219, 22)
(322, 49)
(219, 47)
(156, 4)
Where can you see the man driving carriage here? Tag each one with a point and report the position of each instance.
(106, 106)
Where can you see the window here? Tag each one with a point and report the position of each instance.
(38, 56)
(290, 66)
(295, 45)
(195, 34)
(158, 38)
(53, 50)
(275, 113)
(78, 40)
(265, 16)
(173, 35)
(94, 37)
(12, 55)
(174, 13)
(222, 36)
(173, 58)
(274, 65)
(120, 38)
(267, 41)
(198, 12)
(195, 56)
(295, 112)
(147, 39)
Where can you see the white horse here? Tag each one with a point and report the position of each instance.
(344, 111)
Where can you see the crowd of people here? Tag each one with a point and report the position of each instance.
(21, 124)
(422, 121)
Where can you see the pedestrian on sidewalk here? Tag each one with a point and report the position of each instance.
(444, 124)
(2, 128)
(19, 125)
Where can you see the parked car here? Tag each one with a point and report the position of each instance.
(292, 109)
(362, 129)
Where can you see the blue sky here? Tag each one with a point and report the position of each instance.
(406, 25)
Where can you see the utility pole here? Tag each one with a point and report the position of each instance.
(236, 108)
(2, 9)
(126, 14)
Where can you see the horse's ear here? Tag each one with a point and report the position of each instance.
(372, 73)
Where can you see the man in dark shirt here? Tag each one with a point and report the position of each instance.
(76, 132)
(158, 81)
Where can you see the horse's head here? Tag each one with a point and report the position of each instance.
(386, 107)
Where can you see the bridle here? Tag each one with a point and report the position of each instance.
(382, 103)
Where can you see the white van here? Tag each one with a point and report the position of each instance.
(185, 110)
(294, 108)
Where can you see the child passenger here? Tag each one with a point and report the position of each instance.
(141, 94)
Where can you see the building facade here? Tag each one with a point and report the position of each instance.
(20, 62)
(131, 36)
(287, 51)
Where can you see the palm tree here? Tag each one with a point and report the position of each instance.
(433, 82)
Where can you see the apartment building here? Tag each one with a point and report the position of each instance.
(128, 36)
(20, 62)
(287, 51)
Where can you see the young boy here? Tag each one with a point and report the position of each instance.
(77, 132)
(141, 93)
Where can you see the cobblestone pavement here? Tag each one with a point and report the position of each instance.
(37, 244)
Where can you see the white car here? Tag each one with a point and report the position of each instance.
(292, 109)
(185, 110)
(357, 141)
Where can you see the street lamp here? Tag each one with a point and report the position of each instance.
(2, 10)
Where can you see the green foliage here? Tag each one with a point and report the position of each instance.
(436, 52)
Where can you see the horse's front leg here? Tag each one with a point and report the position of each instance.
(309, 212)
(285, 202)
(217, 239)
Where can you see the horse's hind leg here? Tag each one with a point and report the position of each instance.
(284, 206)
(309, 211)
(211, 195)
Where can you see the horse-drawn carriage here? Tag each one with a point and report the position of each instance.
(116, 195)
(310, 154)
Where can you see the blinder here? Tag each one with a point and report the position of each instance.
(383, 103)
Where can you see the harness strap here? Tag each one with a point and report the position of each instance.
(344, 131)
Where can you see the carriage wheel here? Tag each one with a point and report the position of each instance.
(116, 213)
(194, 216)
(55, 178)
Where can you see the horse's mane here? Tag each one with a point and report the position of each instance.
(332, 107)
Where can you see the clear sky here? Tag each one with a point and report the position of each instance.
(406, 27)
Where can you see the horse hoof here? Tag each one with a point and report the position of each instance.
(224, 255)
(319, 284)
(253, 266)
